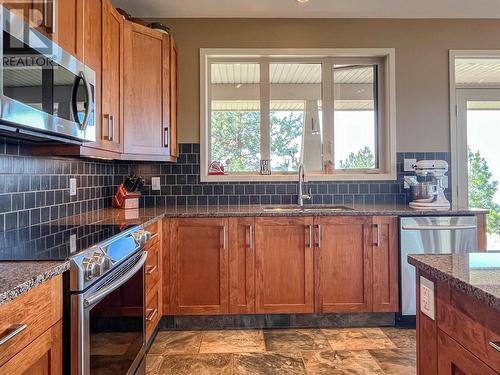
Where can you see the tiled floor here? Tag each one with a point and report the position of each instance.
(349, 351)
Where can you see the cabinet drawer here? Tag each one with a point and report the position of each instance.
(42, 356)
(470, 323)
(30, 315)
(154, 229)
(153, 309)
(153, 266)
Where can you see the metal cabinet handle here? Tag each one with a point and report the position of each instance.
(112, 121)
(309, 244)
(12, 332)
(319, 235)
(154, 235)
(108, 136)
(377, 241)
(152, 315)
(152, 269)
(165, 135)
(495, 345)
(224, 237)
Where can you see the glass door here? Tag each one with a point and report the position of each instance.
(478, 141)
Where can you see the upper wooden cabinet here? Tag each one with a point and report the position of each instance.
(284, 265)
(172, 105)
(385, 264)
(344, 259)
(111, 114)
(67, 29)
(199, 269)
(146, 96)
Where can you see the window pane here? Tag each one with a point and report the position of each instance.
(295, 117)
(355, 116)
(235, 116)
(477, 71)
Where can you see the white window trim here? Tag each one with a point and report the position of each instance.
(389, 152)
(458, 177)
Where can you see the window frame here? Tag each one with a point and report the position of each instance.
(386, 132)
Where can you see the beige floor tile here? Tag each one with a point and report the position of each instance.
(232, 341)
(396, 361)
(402, 338)
(196, 364)
(268, 364)
(292, 340)
(358, 339)
(176, 342)
(330, 362)
(153, 363)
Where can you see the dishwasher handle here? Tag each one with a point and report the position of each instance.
(438, 227)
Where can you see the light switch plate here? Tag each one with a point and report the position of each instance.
(72, 187)
(427, 305)
(155, 183)
(409, 165)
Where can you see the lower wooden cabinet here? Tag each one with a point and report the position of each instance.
(242, 265)
(344, 264)
(199, 271)
(284, 265)
(385, 260)
(454, 359)
(42, 357)
(268, 265)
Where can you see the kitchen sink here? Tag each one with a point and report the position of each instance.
(307, 208)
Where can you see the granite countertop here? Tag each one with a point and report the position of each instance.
(17, 278)
(476, 274)
(145, 215)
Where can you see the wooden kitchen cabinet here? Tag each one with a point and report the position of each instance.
(385, 268)
(68, 28)
(42, 357)
(344, 264)
(284, 265)
(172, 104)
(199, 272)
(242, 266)
(147, 98)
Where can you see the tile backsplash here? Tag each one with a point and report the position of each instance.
(36, 189)
(180, 185)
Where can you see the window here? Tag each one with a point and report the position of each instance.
(332, 110)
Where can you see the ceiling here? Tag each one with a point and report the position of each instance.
(313, 9)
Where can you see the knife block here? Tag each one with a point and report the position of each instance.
(126, 200)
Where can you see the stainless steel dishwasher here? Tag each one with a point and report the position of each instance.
(431, 235)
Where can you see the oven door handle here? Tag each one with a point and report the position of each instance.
(117, 283)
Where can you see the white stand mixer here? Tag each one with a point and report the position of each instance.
(437, 169)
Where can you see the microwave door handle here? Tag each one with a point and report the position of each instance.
(90, 103)
(74, 98)
(117, 283)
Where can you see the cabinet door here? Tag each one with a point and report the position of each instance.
(143, 95)
(454, 359)
(385, 264)
(241, 266)
(68, 28)
(199, 250)
(42, 357)
(112, 80)
(284, 265)
(344, 264)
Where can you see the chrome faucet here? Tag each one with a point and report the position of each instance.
(302, 179)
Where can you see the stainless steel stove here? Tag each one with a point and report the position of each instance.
(104, 322)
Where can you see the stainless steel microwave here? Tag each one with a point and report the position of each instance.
(45, 92)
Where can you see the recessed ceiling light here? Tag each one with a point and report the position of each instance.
(302, 1)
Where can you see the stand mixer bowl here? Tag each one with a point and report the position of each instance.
(423, 191)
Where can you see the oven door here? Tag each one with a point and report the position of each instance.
(44, 90)
(108, 322)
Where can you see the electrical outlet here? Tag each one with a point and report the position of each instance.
(427, 297)
(72, 187)
(72, 243)
(155, 183)
(409, 165)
